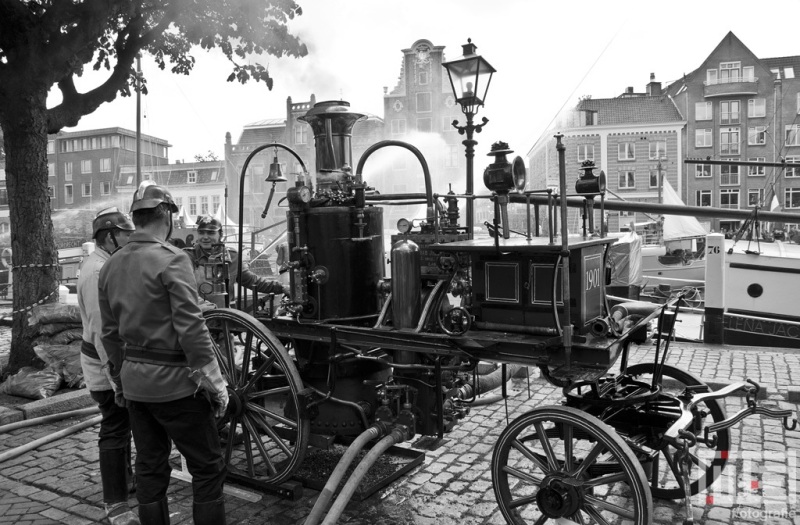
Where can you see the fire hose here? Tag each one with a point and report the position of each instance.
(47, 419)
(396, 436)
(14, 452)
(341, 467)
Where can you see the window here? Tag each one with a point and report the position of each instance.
(711, 76)
(424, 125)
(654, 178)
(702, 170)
(703, 111)
(85, 144)
(179, 202)
(114, 141)
(756, 107)
(793, 172)
(729, 141)
(627, 180)
(214, 175)
(86, 189)
(756, 171)
(658, 149)
(67, 171)
(791, 198)
(300, 134)
(729, 175)
(702, 198)
(729, 72)
(422, 76)
(399, 126)
(585, 152)
(755, 197)
(51, 146)
(792, 138)
(192, 205)
(703, 138)
(424, 102)
(51, 169)
(757, 135)
(588, 117)
(51, 192)
(748, 74)
(192, 178)
(3, 202)
(788, 72)
(626, 151)
(729, 112)
(215, 203)
(67, 193)
(86, 166)
(105, 165)
(447, 124)
(798, 102)
(204, 205)
(452, 156)
(729, 199)
(105, 188)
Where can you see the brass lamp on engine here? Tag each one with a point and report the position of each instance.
(215, 289)
(501, 176)
(590, 185)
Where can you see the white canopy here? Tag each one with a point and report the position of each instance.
(222, 217)
(679, 226)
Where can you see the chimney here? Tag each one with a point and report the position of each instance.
(629, 90)
(653, 87)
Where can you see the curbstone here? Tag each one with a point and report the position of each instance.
(57, 404)
(793, 393)
(10, 415)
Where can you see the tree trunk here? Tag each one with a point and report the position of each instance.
(35, 258)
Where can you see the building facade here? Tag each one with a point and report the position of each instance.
(744, 108)
(85, 166)
(635, 139)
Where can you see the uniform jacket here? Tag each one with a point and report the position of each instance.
(249, 279)
(93, 374)
(148, 302)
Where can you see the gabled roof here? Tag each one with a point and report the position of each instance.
(632, 110)
(210, 172)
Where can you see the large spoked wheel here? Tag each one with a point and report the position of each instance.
(707, 462)
(266, 437)
(559, 462)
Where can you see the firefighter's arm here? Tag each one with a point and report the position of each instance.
(261, 284)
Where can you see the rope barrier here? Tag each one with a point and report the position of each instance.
(31, 307)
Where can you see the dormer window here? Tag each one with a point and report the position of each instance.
(192, 177)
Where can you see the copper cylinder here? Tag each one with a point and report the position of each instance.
(406, 283)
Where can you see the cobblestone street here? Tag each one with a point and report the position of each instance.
(60, 482)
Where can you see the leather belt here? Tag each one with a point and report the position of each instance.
(155, 356)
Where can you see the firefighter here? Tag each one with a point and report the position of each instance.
(208, 248)
(111, 230)
(163, 362)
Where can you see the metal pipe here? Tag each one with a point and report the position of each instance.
(566, 326)
(338, 473)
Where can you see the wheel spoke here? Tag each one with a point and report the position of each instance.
(542, 519)
(591, 457)
(607, 479)
(271, 433)
(266, 413)
(522, 475)
(545, 441)
(525, 451)
(248, 350)
(258, 373)
(616, 509)
(568, 448)
(248, 450)
(231, 437)
(230, 353)
(260, 446)
(522, 501)
(592, 512)
(266, 393)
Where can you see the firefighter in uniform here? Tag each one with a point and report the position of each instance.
(208, 248)
(111, 230)
(163, 360)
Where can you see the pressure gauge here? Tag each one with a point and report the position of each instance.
(299, 195)
(403, 225)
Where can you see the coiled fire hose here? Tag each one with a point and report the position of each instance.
(338, 473)
(396, 436)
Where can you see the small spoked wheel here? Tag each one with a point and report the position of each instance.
(264, 435)
(560, 463)
(707, 463)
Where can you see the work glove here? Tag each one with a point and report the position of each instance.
(210, 379)
(116, 385)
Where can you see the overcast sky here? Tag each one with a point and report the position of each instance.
(547, 54)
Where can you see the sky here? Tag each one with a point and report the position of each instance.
(547, 54)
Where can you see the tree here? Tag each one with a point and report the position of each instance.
(47, 43)
(208, 157)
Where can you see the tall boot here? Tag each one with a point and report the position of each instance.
(154, 513)
(210, 512)
(113, 473)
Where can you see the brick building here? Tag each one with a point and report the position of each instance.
(740, 107)
(634, 138)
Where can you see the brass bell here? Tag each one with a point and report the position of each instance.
(275, 174)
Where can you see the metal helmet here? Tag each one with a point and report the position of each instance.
(109, 219)
(207, 222)
(150, 195)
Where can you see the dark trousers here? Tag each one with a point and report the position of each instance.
(115, 427)
(190, 424)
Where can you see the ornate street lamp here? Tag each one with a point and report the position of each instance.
(470, 76)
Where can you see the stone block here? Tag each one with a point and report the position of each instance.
(58, 404)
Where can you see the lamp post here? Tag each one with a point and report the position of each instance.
(470, 76)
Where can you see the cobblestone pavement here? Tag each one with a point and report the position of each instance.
(60, 482)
